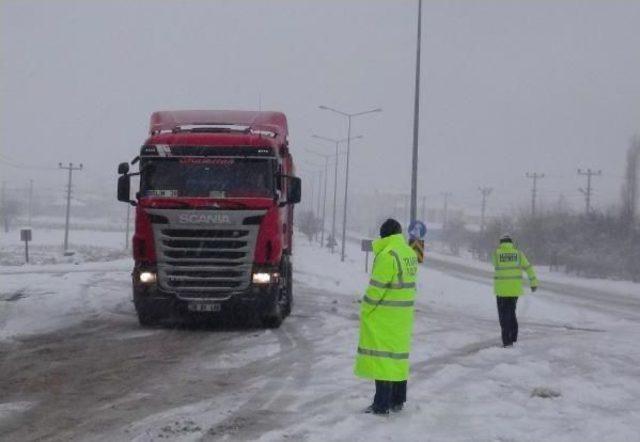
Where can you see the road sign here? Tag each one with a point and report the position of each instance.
(418, 246)
(366, 246)
(25, 235)
(417, 230)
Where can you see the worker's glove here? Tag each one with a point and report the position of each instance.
(533, 289)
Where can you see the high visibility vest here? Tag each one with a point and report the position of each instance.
(508, 263)
(386, 312)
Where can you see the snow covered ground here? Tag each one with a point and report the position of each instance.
(79, 366)
(465, 387)
(54, 290)
(47, 240)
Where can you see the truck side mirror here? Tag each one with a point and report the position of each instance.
(123, 168)
(124, 188)
(294, 190)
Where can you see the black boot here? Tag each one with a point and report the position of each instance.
(373, 410)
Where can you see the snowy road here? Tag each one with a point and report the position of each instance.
(102, 377)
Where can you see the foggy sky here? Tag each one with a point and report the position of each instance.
(507, 87)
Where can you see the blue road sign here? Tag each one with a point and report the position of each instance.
(417, 230)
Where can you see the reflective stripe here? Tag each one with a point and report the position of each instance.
(507, 267)
(392, 285)
(507, 277)
(374, 283)
(382, 354)
(397, 258)
(404, 285)
(387, 303)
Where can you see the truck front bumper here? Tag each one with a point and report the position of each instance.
(257, 297)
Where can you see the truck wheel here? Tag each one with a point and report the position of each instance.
(288, 287)
(276, 312)
(282, 300)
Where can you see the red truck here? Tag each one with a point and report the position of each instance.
(214, 215)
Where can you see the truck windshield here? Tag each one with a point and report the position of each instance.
(207, 177)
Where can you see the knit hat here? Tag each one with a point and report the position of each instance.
(390, 227)
(506, 238)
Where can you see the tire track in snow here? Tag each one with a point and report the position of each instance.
(286, 374)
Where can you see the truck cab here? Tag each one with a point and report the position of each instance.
(214, 215)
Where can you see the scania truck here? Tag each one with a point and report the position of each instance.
(213, 215)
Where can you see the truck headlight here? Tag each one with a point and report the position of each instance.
(261, 278)
(147, 277)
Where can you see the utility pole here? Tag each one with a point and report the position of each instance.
(346, 178)
(30, 200)
(534, 190)
(70, 168)
(589, 190)
(416, 124)
(445, 209)
(485, 191)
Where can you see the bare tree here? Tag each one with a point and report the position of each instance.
(309, 224)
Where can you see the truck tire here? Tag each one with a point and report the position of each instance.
(280, 307)
(288, 287)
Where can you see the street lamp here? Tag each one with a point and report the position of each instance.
(346, 182)
(324, 198)
(335, 181)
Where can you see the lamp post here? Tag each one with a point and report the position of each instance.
(324, 198)
(346, 182)
(416, 123)
(335, 181)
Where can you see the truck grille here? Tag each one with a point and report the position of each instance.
(204, 260)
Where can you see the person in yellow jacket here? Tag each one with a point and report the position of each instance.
(386, 319)
(509, 263)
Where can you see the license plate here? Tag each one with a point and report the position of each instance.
(202, 307)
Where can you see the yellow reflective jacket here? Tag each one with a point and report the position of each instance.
(509, 262)
(386, 312)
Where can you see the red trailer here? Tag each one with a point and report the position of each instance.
(214, 215)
